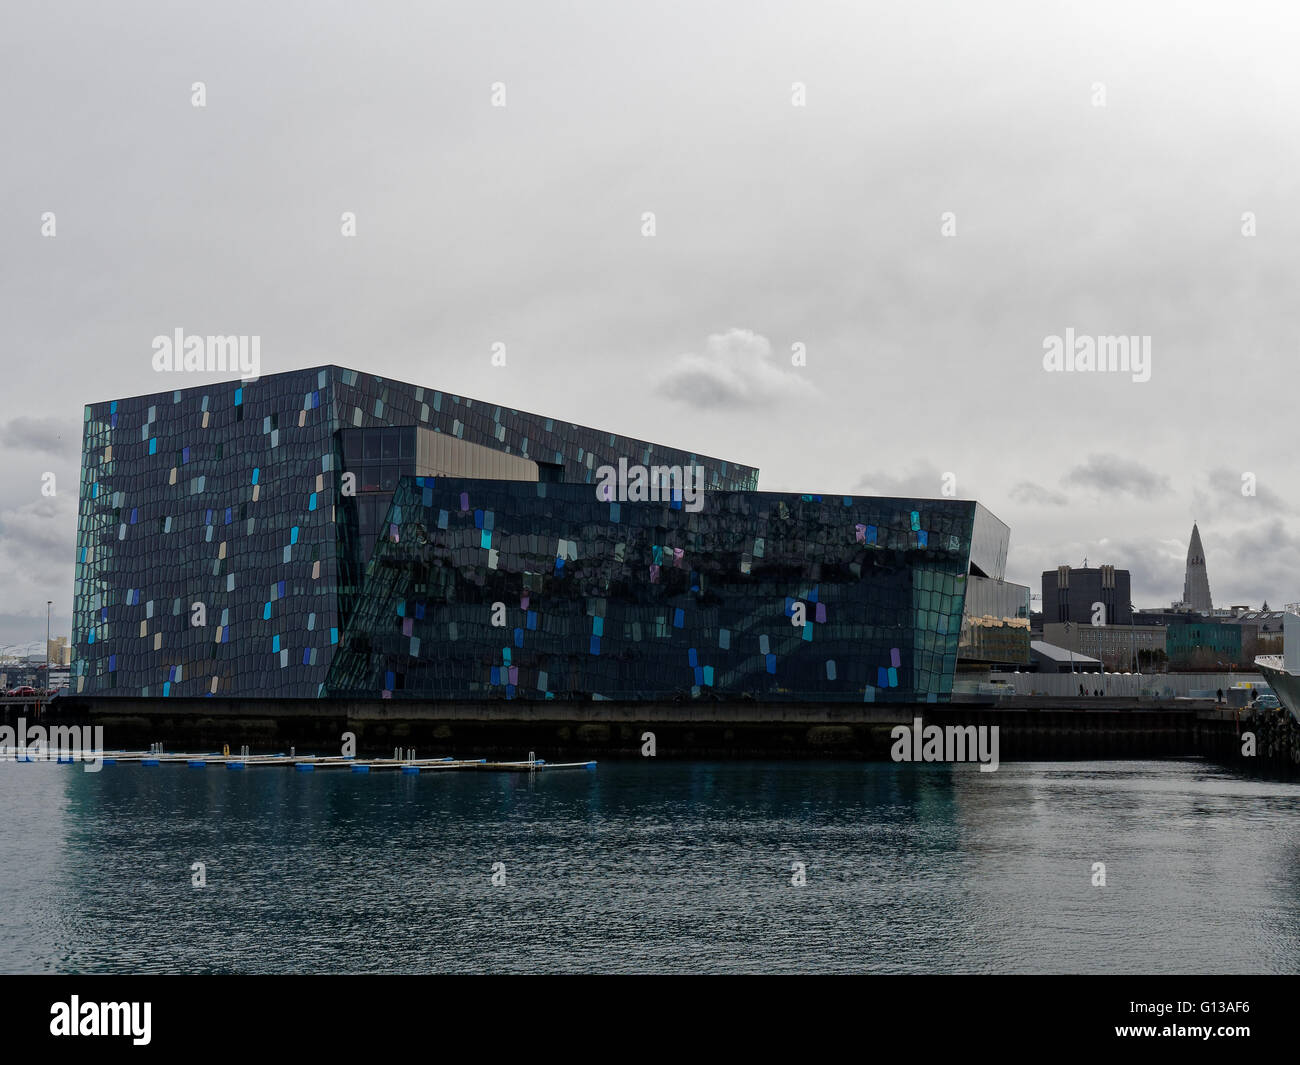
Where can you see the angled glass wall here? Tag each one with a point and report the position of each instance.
(492, 590)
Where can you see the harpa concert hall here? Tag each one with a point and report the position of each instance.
(327, 533)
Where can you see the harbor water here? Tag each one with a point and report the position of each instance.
(652, 866)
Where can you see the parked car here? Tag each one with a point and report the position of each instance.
(17, 693)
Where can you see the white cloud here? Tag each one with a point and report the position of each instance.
(736, 368)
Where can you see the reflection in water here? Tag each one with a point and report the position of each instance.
(652, 866)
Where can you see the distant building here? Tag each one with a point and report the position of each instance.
(1217, 639)
(1208, 642)
(1071, 594)
(1204, 643)
(1196, 582)
(1170, 615)
(1121, 648)
(58, 652)
(1261, 633)
(16, 676)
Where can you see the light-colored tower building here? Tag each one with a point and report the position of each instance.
(1196, 584)
(59, 652)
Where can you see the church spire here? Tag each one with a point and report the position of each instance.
(1196, 583)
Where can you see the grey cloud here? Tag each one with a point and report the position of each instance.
(37, 547)
(924, 482)
(1112, 474)
(38, 534)
(45, 435)
(1223, 496)
(1036, 495)
(1252, 563)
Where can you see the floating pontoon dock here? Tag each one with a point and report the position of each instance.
(303, 763)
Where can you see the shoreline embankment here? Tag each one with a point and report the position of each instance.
(1030, 727)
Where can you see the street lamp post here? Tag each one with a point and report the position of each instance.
(48, 603)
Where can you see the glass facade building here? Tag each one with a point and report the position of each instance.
(488, 589)
(325, 533)
(217, 553)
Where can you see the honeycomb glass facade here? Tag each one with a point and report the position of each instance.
(491, 590)
(218, 549)
(324, 532)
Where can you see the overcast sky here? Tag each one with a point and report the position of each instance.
(1098, 159)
